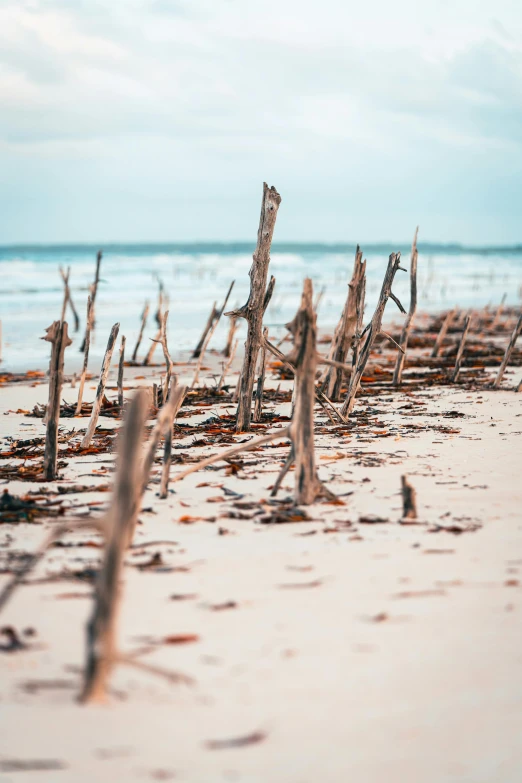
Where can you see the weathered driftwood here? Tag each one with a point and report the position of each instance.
(349, 325)
(121, 365)
(509, 350)
(144, 317)
(96, 407)
(460, 351)
(212, 321)
(255, 306)
(450, 317)
(67, 298)
(178, 393)
(373, 329)
(409, 499)
(87, 342)
(102, 651)
(161, 298)
(408, 323)
(304, 358)
(164, 422)
(94, 291)
(258, 406)
(59, 339)
(208, 337)
(230, 337)
(226, 367)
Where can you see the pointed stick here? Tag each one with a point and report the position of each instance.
(460, 352)
(96, 406)
(144, 316)
(450, 317)
(406, 329)
(258, 407)
(59, 339)
(120, 372)
(409, 499)
(254, 308)
(347, 327)
(230, 338)
(164, 422)
(121, 520)
(373, 329)
(94, 291)
(208, 327)
(509, 350)
(67, 298)
(226, 366)
(87, 342)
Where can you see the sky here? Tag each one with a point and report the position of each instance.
(159, 120)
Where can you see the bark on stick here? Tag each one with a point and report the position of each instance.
(102, 651)
(255, 306)
(509, 350)
(460, 352)
(58, 337)
(406, 329)
(372, 330)
(96, 406)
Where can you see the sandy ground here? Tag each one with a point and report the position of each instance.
(334, 649)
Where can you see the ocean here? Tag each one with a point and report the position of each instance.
(196, 275)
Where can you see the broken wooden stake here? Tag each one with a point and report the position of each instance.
(509, 350)
(373, 329)
(460, 351)
(57, 335)
(258, 406)
(349, 325)
(450, 317)
(102, 652)
(121, 365)
(401, 356)
(409, 499)
(144, 316)
(226, 367)
(87, 342)
(164, 422)
(67, 298)
(230, 338)
(96, 406)
(255, 306)
(94, 291)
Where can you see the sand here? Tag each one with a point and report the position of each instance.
(340, 648)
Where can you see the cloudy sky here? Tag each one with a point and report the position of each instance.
(158, 120)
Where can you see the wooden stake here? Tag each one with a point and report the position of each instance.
(208, 326)
(120, 372)
(57, 335)
(304, 358)
(409, 499)
(102, 651)
(460, 352)
(144, 316)
(87, 342)
(96, 406)
(208, 336)
(258, 407)
(67, 298)
(164, 422)
(401, 356)
(349, 325)
(254, 308)
(94, 291)
(509, 350)
(450, 316)
(230, 339)
(373, 329)
(226, 367)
